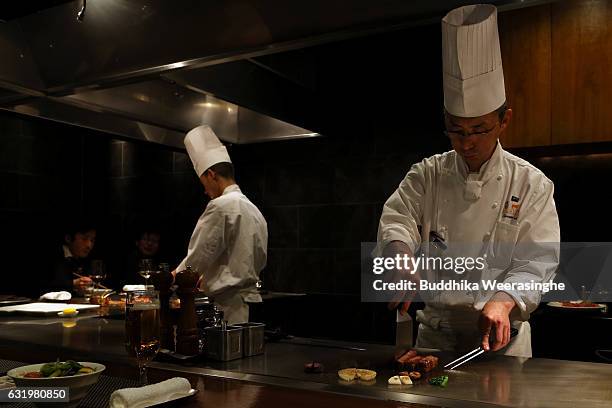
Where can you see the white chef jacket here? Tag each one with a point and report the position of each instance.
(228, 248)
(521, 244)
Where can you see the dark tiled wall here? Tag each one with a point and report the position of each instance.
(40, 184)
(150, 183)
(322, 197)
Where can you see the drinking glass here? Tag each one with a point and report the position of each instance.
(87, 291)
(145, 269)
(98, 272)
(142, 331)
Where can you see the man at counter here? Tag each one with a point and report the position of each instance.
(478, 195)
(71, 260)
(228, 247)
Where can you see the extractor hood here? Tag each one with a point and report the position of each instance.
(154, 69)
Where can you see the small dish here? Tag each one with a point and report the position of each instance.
(576, 305)
(62, 314)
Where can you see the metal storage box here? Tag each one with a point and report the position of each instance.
(223, 344)
(252, 338)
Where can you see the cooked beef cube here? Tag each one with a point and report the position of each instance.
(427, 363)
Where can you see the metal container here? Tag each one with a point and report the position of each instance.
(223, 343)
(208, 315)
(253, 338)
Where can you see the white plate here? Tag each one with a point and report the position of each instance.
(40, 308)
(560, 305)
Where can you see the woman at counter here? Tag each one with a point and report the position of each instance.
(146, 244)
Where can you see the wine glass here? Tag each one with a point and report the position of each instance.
(145, 269)
(142, 332)
(98, 272)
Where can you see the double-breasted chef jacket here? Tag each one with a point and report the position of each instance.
(505, 213)
(228, 247)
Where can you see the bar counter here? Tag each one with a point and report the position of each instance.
(278, 375)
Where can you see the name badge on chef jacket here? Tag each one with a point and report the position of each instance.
(512, 207)
(437, 241)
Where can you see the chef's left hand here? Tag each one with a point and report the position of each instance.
(495, 315)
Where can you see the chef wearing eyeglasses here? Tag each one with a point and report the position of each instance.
(476, 193)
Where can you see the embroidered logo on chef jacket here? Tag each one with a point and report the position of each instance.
(512, 207)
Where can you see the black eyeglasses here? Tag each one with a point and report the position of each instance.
(456, 135)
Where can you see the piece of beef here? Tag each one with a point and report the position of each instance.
(427, 363)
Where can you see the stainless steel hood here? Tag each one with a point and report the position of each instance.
(153, 69)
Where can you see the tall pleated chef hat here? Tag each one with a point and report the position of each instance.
(473, 77)
(205, 149)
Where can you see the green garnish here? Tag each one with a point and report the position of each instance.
(64, 369)
(440, 381)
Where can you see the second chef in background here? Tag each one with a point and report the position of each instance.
(228, 247)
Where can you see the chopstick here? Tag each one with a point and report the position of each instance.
(464, 358)
(81, 276)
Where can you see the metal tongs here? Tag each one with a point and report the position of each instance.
(475, 353)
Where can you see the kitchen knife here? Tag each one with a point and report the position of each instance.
(403, 332)
(475, 353)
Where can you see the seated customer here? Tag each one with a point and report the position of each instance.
(72, 258)
(147, 240)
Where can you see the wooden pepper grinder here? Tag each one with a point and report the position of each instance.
(162, 282)
(187, 331)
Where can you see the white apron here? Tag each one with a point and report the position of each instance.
(235, 305)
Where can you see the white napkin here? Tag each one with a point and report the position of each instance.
(6, 382)
(63, 296)
(150, 394)
(131, 288)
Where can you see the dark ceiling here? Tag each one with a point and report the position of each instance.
(314, 64)
(14, 9)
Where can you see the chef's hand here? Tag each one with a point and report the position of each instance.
(391, 250)
(495, 315)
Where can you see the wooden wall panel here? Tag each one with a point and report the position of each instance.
(582, 71)
(526, 53)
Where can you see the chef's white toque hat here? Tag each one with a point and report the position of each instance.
(473, 77)
(205, 149)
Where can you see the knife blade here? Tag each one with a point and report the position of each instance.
(475, 353)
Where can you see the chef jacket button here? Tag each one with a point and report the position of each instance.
(494, 205)
(499, 177)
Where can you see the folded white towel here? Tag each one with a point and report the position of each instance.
(63, 296)
(131, 288)
(150, 394)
